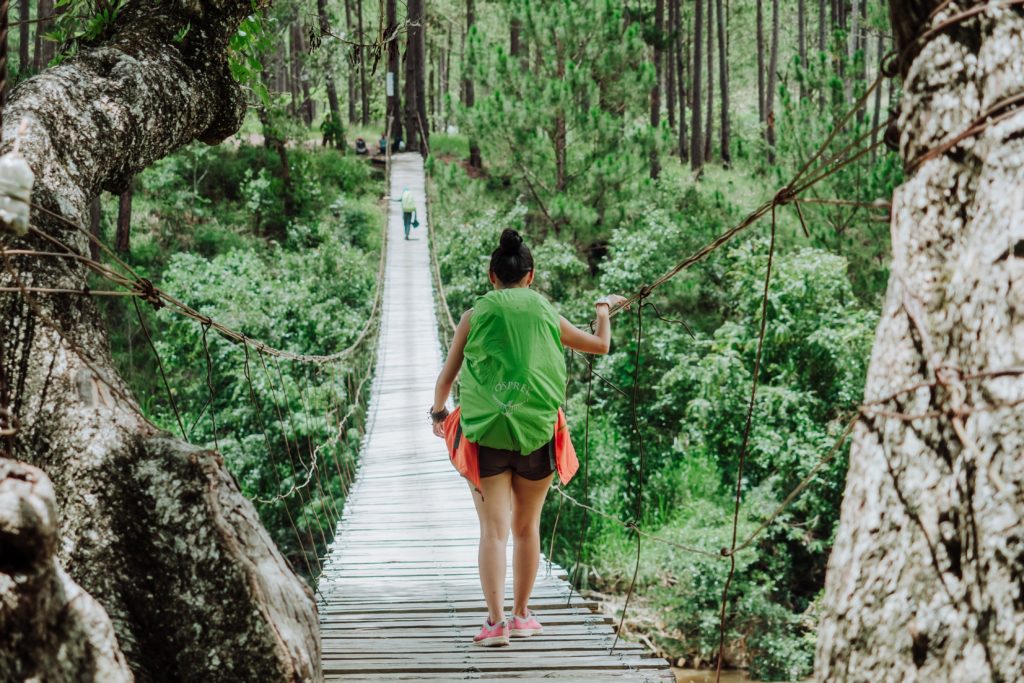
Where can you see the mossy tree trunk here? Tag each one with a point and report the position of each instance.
(924, 581)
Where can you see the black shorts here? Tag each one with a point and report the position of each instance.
(533, 466)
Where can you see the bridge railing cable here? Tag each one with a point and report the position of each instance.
(125, 281)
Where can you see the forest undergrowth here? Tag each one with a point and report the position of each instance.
(210, 227)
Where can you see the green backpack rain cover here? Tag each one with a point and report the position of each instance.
(513, 372)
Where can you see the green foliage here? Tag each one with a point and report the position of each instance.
(776, 653)
(197, 235)
(246, 48)
(692, 394)
(79, 23)
(561, 132)
(833, 83)
(445, 145)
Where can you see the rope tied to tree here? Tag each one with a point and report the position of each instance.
(785, 195)
(146, 290)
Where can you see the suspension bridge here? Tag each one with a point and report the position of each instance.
(399, 593)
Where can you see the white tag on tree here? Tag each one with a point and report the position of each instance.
(16, 180)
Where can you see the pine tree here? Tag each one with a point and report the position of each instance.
(696, 136)
(773, 74)
(469, 94)
(659, 59)
(723, 83)
(559, 130)
(394, 101)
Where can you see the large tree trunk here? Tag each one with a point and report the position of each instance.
(394, 100)
(301, 75)
(659, 41)
(709, 120)
(415, 109)
(475, 160)
(682, 59)
(924, 581)
(421, 79)
(669, 65)
(723, 84)
(351, 80)
(773, 79)
(432, 98)
(446, 86)
(95, 227)
(515, 27)
(43, 52)
(760, 62)
(52, 630)
(696, 137)
(332, 90)
(154, 529)
(852, 39)
(876, 117)
(24, 16)
(363, 92)
(801, 20)
(293, 71)
(852, 45)
(123, 236)
(822, 28)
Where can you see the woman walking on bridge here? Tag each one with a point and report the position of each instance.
(509, 435)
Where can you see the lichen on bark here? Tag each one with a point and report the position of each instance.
(925, 578)
(51, 629)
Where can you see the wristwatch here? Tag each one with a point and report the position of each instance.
(603, 300)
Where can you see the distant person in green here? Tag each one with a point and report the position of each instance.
(408, 210)
(510, 350)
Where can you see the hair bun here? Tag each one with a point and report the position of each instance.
(510, 241)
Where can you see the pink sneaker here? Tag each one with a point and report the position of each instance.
(524, 627)
(492, 635)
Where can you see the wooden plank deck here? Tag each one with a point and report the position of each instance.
(400, 596)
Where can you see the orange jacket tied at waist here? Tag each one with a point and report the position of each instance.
(465, 455)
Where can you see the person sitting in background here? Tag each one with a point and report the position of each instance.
(361, 147)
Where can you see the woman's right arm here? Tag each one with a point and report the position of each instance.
(598, 342)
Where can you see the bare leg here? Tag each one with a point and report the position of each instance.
(494, 513)
(527, 501)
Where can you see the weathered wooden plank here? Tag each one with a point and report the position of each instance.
(483, 663)
(358, 647)
(412, 609)
(576, 676)
(464, 635)
(474, 622)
